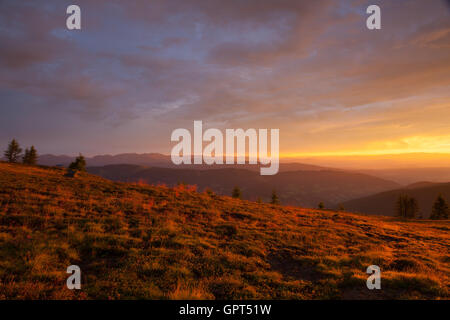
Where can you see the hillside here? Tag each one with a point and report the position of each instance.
(153, 242)
(301, 187)
(384, 203)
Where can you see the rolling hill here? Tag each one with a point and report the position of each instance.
(136, 241)
(384, 203)
(402, 176)
(407, 176)
(160, 160)
(302, 187)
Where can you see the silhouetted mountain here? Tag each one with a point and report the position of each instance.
(421, 184)
(52, 160)
(160, 160)
(406, 176)
(153, 159)
(384, 203)
(302, 187)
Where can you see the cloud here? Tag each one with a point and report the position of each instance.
(310, 68)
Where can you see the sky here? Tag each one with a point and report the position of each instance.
(137, 70)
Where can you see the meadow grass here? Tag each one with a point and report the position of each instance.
(136, 241)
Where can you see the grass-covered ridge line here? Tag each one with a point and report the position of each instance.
(153, 242)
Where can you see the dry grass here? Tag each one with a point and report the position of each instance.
(134, 241)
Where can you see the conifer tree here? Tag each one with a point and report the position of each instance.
(79, 164)
(236, 193)
(275, 199)
(406, 206)
(30, 156)
(13, 152)
(440, 208)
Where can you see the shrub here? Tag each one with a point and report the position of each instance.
(236, 193)
(274, 199)
(79, 164)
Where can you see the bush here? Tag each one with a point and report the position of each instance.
(79, 164)
(274, 199)
(236, 193)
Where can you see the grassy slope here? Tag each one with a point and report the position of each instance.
(138, 241)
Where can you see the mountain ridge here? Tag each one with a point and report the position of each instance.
(302, 187)
(384, 203)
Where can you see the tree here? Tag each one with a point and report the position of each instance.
(401, 205)
(30, 156)
(274, 199)
(440, 208)
(321, 205)
(13, 152)
(406, 206)
(79, 164)
(413, 209)
(236, 193)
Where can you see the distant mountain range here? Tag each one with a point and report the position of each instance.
(160, 160)
(147, 159)
(384, 203)
(367, 191)
(407, 176)
(300, 187)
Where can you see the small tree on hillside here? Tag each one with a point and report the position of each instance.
(413, 209)
(321, 205)
(13, 152)
(440, 209)
(30, 156)
(236, 193)
(79, 164)
(401, 206)
(406, 206)
(274, 199)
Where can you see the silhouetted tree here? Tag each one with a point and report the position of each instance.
(413, 209)
(79, 164)
(401, 205)
(274, 199)
(236, 193)
(406, 206)
(13, 152)
(30, 156)
(321, 205)
(440, 208)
